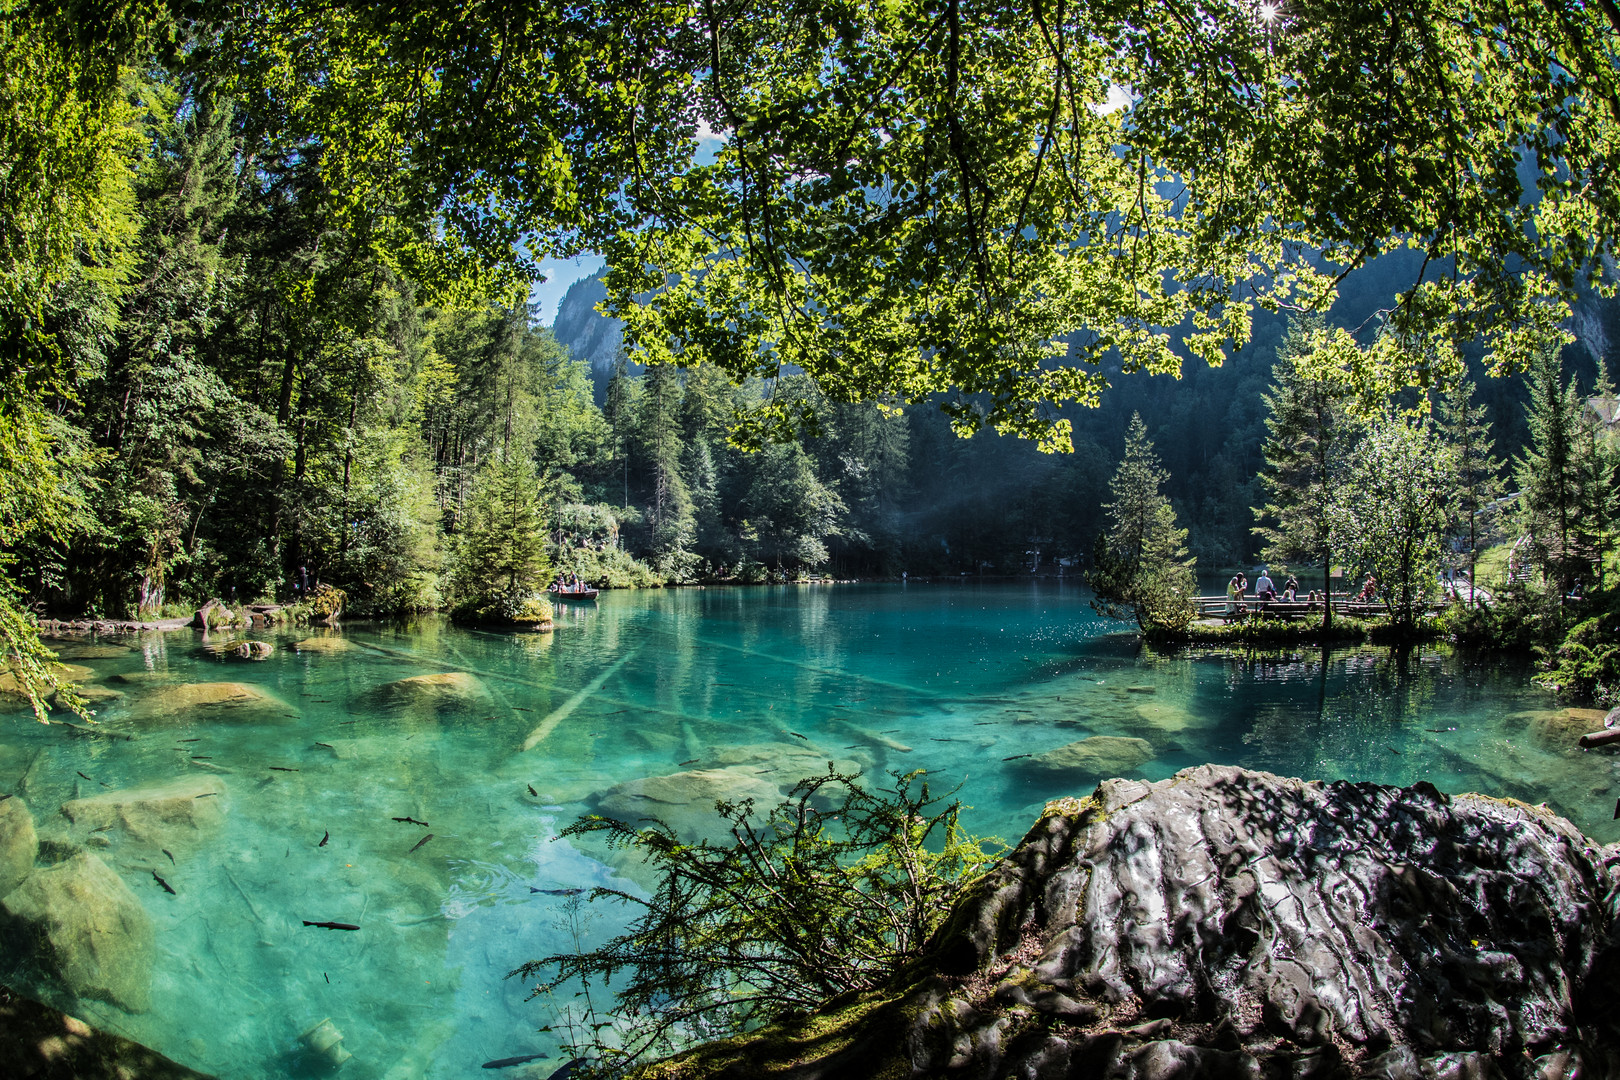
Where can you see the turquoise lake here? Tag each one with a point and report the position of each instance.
(742, 687)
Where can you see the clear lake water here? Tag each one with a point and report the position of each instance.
(749, 684)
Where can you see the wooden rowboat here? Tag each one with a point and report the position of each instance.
(574, 594)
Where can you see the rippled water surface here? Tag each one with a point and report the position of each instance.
(743, 687)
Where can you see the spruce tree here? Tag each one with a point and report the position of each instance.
(502, 568)
(1466, 429)
(1547, 472)
(1141, 567)
(1596, 461)
(1309, 438)
(669, 500)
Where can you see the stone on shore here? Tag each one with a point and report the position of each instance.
(685, 801)
(173, 815)
(19, 844)
(1234, 924)
(1100, 755)
(80, 921)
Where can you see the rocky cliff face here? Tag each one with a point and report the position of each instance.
(1226, 923)
(590, 335)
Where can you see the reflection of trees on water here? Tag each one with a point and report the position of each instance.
(1366, 700)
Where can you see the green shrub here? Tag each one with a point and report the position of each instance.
(835, 891)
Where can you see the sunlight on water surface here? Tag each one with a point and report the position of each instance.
(705, 692)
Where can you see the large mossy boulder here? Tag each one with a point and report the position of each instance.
(780, 763)
(172, 815)
(442, 690)
(19, 843)
(81, 922)
(1100, 755)
(322, 643)
(1234, 924)
(685, 801)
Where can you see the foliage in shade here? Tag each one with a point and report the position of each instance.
(833, 890)
(1466, 430)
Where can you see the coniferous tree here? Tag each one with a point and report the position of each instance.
(1142, 568)
(502, 567)
(1466, 429)
(1309, 437)
(1547, 473)
(1596, 455)
(672, 530)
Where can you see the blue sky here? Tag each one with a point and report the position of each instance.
(560, 275)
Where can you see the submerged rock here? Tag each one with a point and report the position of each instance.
(91, 652)
(219, 700)
(80, 921)
(1226, 923)
(324, 643)
(11, 691)
(779, 763)
(1100, 755)
(685, 800)
(39, 1043)
(171, 815)
(19, 844)
(1563, 727)
(441, 690)
(92, 695)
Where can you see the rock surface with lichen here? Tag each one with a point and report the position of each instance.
(1228, 923)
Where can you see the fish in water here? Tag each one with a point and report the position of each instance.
(200, 757)
(533, 792)
(1394, 751)
(86, 777)
(198, 739)
(796, 735)
(691, 761)
(205, 795)
(328, 745)
(556, 892)
(411, 821)
(1017, 757)
(166, 886)
(333, 925)
(420, 842)
(170, 854)
(282, 768)
(519, 708)
(507, 1063)
(325, 836)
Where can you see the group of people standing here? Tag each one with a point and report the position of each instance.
(1265, 590)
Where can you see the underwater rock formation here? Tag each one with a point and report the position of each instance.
(215, 700)
(685, 800)
(79, 920)
(1100, 755)
(175, 815)
(442, 690)
(19, 844)
(1228, 923)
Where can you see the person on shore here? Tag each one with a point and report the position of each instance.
(1234, 593)
(1369, 590)
(1265, 588)
(1290, 588)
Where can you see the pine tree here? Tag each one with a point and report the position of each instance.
(1596, 459)
(1547, 472)
(502, 567)
(1309, 439)
(1142, 568)
(1466, 428)
(669, 500)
